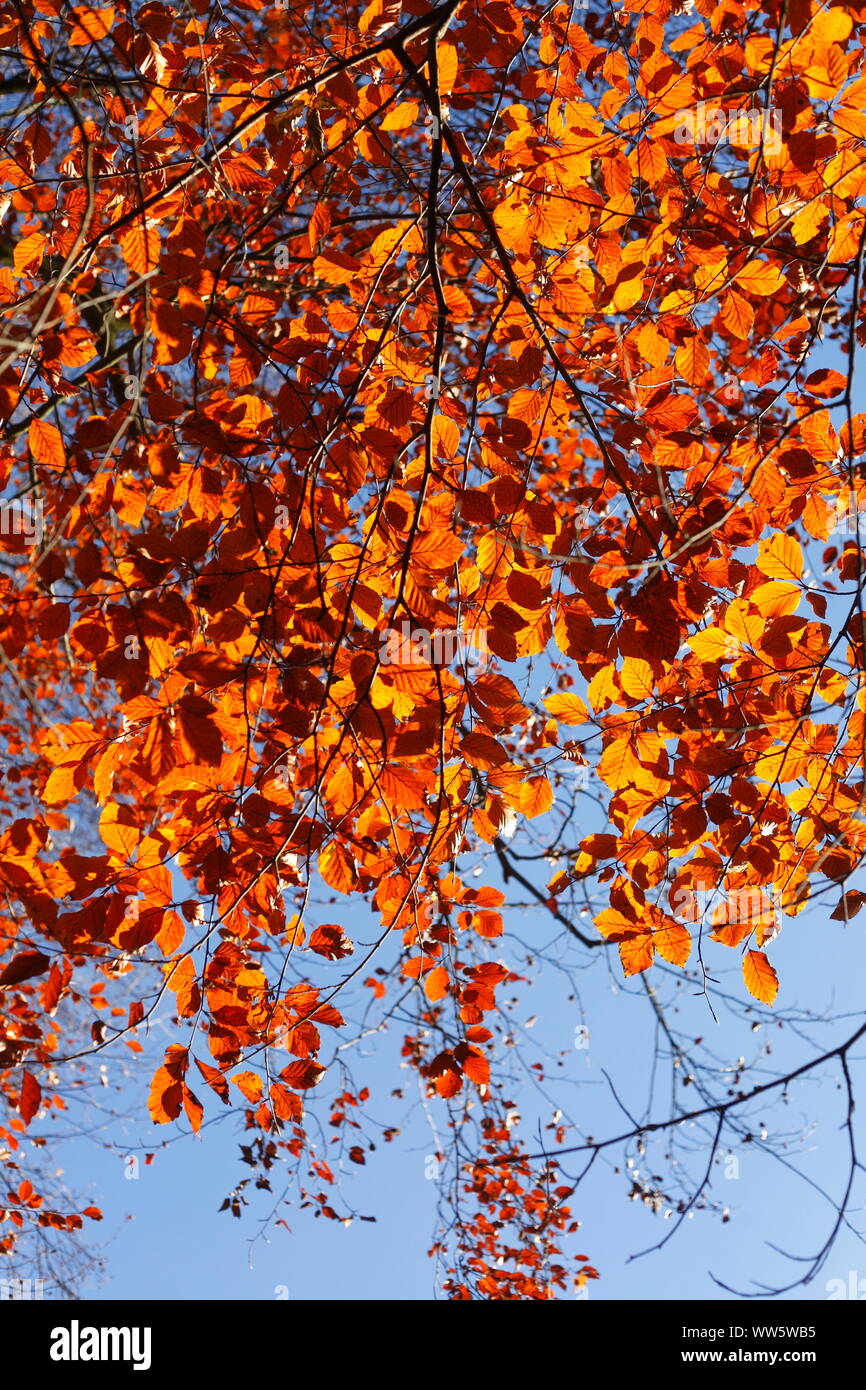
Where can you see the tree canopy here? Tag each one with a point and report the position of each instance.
(429, 441)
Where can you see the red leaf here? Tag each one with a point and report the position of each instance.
(30, 1097)
(24, 966)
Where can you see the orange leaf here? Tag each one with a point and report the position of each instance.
(761, 979)
(215, 1079)
(436, 984)
(692, 361)
(673, 942)
(194, 1109)
(250, 1085)
(28, 253)
(46, 444)
(483, 751)
(536, 797)
(337, 867)
(140, 245)
(636, 953)
(119, 831)
(166, 1093)
(303, 1074)
(89, 26)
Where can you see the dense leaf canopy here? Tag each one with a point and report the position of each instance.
(411, 418)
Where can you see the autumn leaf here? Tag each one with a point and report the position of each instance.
(760, 977)
(27, 257)
(568, 709)
(536, 797)
(141, 247)
(404, 114)
(636, 952)
(330, 942)
(672, 941)
(759, 277)
(637, 678)
(23, 966)
(166, 1092)
(436, 984)
(780, 557)
(30, 1097)
(250, 1086)
(303, 1075)
(46, 444)
(89, 25)
(337, 867)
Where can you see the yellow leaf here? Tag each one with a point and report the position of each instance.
(780, 557)
(775, 600)
(678, 302)
(568, 709)
(830, 26)
(636, 678)
(744, 623)
(714, 645)
(401, 117)
(602, 690)
(758, 277)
